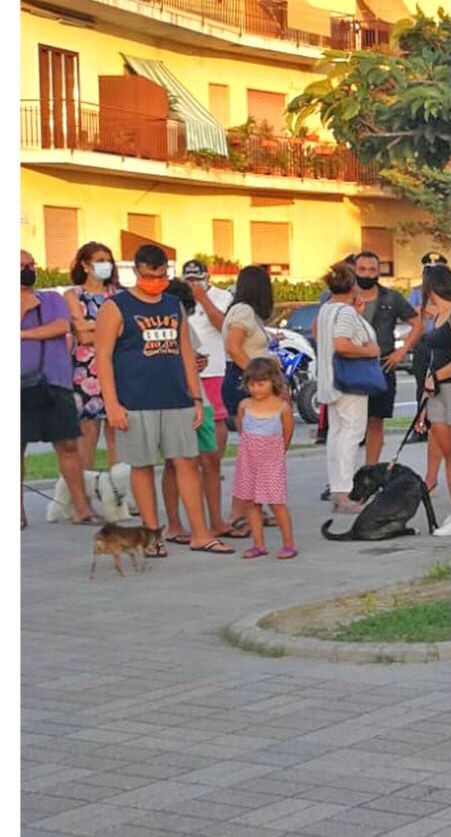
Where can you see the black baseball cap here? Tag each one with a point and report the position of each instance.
(433, 258)
(194, 269)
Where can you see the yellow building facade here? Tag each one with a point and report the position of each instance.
(78, 187)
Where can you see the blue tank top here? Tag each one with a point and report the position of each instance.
(148, 366)
(259, 426)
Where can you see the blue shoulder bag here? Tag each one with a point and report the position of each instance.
(358, 375)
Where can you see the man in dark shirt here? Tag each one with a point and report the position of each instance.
(383, 309)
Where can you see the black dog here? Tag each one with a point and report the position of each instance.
(399, 492)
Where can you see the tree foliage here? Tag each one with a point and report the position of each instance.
(395, 107)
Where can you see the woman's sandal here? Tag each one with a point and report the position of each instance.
(180, 540)
(254, 552)
(235, 532)
(287, 552)
(269, 520)
(210, 547)
(157, 551)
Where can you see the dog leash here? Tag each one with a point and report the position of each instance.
(417, 415)
(41, 494)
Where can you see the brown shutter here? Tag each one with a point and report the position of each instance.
(269, 107)
(219, 103)
(380, 240)
(223, 239)
(148, 226)
(270, 242)
(61, 236)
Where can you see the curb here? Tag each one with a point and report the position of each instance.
(247, 635)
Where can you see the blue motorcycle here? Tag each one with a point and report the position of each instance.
(295, 368)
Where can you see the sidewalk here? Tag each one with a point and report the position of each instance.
(139, 721)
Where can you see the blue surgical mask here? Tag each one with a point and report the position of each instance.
(102, 270)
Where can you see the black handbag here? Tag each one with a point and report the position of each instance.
(358, 375)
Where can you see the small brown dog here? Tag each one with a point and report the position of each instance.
(114, 540)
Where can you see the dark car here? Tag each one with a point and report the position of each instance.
(298, 318)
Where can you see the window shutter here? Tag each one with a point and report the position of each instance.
(380, 240)
(219, 103)
(269, 107)
(223, 239)
(270, 242)
(61, 236)
(148, 226)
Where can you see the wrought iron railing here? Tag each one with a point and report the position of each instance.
(67, 124)
(269, 18)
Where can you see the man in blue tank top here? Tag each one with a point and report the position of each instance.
(150, 384)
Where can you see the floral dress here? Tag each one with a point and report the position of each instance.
(87, 394)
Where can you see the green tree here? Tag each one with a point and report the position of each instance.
(395, 107)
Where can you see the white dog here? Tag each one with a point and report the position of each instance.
(112, 488)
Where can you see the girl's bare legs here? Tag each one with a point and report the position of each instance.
(283, 517)
(90, 429)
(110, 439)
(255, 520)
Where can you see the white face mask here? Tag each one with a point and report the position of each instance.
(102, 270)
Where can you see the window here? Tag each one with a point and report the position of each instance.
(147, 226)
(61, 236)
(60, 96)
(380, 240)
(269, 107)
(223, 239)
(270, 243)
(219, 103)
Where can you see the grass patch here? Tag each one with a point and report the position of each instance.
(439, 571)
(44, 466)
(425, 622)
(399, 423)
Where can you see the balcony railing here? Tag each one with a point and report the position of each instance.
(269, 18)
(66, 124)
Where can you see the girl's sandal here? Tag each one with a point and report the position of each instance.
(254, 552)
(287, 552)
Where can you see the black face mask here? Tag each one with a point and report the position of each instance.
(366, 283)
(27, 276)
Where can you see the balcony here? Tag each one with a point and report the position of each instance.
(269, 19)
(72, 126)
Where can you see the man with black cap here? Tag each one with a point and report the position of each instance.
(207, 320)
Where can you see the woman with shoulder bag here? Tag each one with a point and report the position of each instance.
(342, 333)
(48, 412)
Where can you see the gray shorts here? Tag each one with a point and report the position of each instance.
(439, 406)
(153, 434)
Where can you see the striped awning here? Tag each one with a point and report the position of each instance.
(202, 130)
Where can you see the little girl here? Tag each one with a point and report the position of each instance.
(265, 424)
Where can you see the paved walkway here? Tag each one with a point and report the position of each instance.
(139, 721)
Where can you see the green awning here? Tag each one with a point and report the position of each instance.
(202, 129)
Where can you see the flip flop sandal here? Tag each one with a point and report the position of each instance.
(254, 552)
(239, 523)
(158, 551)
(180, 540)
(269, 521)
(236, 533)
(210, 547)
(287, 552)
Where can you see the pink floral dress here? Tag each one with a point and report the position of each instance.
(87, 394)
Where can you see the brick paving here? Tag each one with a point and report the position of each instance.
(139, 721)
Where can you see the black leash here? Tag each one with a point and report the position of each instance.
(41, 494)
(417, 415)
